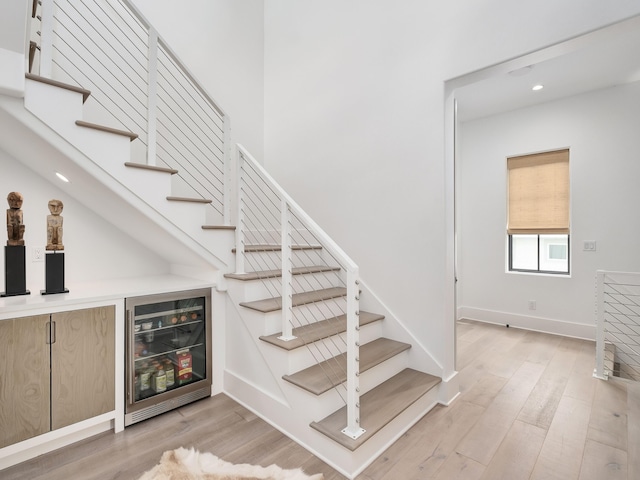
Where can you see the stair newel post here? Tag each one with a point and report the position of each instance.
(152, 97)
(46, 38)
(599, 370)
(240, 240)
(353, 428)
(287, 289)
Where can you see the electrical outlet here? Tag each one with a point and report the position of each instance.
(532, 304)
(38, 254)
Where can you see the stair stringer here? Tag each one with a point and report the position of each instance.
(291, 409)
(144, 189)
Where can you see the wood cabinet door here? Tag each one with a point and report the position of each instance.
(82, 365)
(24, 379)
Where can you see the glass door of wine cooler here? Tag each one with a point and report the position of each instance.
(168, 352)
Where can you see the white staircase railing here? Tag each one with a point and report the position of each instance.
(139, 84)
(268, 220)
(109, 48)
(618, 325)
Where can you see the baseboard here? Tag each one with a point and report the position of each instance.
(48, 442)
(538, 324)
(449, 389)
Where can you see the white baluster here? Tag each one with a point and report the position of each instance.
(46, 38)
(287, 263)
(228, 173)
(599, 370)
(240, 238)
(353, 428)
(152, 97)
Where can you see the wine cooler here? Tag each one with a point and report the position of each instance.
(168, 352)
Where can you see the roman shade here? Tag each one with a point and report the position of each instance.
(538, 193)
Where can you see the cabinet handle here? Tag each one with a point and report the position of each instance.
(48, 339)
(52, 337)
(130, 358)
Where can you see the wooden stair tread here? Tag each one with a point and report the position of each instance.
(259, 275)
(273, 304)
(323, 376)
(125, 133)
(276, 248)
(85, 93)
(188, 199)
(379, 406)
(154, 168)
(218, 227)
(319, 330)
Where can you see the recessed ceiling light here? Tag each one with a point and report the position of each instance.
(537, 87)
(62, 177)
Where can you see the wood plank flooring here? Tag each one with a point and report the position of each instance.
(529, 409)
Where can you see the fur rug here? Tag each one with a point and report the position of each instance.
(183, 464)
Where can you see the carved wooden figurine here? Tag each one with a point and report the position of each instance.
(54, 226)
(15, 227)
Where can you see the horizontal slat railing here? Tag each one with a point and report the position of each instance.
(137, 83)
(618, 325)
(269, 219)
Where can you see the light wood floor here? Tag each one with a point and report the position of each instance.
(529, 409)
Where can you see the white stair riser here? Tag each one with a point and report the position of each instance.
(305, 314)
(271, 287)
(315, 407)
(303, 357)
(55, 106)
(271, 322)
(60, 108)
(384, 371)
(186, 215)
(256, 261)
(323, 405)
(153, 187)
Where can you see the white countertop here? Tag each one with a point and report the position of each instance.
(97, 292)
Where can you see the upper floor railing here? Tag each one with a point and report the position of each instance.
(137, 83)
(618, 325)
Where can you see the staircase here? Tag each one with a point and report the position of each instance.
(382, 403)
(328, 364)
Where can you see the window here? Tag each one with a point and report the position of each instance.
(538, 212)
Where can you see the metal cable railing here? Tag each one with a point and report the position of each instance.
(138, 84)
(270, 222)
(109, 48)
(261, 221)
(618, 325)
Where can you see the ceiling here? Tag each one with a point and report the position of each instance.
(611, 57)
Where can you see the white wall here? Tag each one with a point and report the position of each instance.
(13, 37)
(221, 43)
(354, 125)
(94, 249)
(600, 129)
(13, 25)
